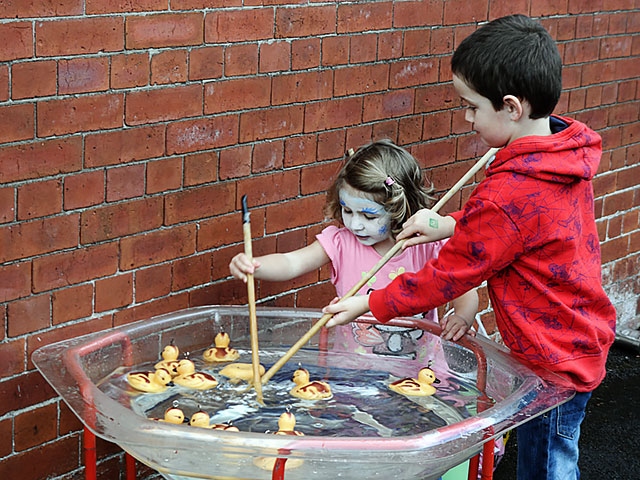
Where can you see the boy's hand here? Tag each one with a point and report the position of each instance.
(240, 266)
(426, 226)
(454, 327)
(346, 310)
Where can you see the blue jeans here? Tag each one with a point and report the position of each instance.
(548, 444)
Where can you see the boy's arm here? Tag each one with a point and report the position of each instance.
(280, 267)
(426, 226)
(465, 307)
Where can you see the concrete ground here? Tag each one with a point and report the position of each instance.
(609, 442)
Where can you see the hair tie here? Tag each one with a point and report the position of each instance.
(389, 181)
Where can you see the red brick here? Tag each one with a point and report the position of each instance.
(317, 178)
(68, 422)
(237, 94)
(15, 281)
(435, 153)
(388, 105)
(51, 459)
(17, 41)
(267, 156)
(190, 272)
(33, 79)
(418, 42)
(6, 439)
(28, 315)
(300, 211)
(114, 292)
(389, 45)
(227, 229)
(195, 135)
(581, 51)
(364, 48)
(199, 202)
(441, 41)
(169, 66)
(302, 87)
(265, 189)
(4, 82)
(157, 247)
(82, 75)
(39, 199)
(465, 11)
(163, 175)
(16, 122)
(23, 391)
(80, 114)
(299, 150)
(124, 6)
(205, 63)
(72, 303)
(362, 17)
(335, 51)
(161, 104)
(84, 189)
(363, 79)
(386, 129)
(37, 237)
(152, 282)
(331, 145)
(7, 204)
(41, 8)
(235, 162)
(305, 53)
(77, 266)
(200, 168)
(271, 123)
(223, 26)
(90, 35)
(337, 113)
(130, 70)
(121, 219)
(437, 125)
(241, 60)
(12, 357)
(151, 309)
(123, 146)
(413, 73)
(164, 30)
(618, 202)
(275, 56)
(417, 14)
(125, 182)
(435, 97)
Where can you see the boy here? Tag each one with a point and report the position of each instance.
(528, 229)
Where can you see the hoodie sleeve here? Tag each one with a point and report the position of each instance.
(485, 241)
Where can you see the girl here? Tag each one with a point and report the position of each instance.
(375, 192)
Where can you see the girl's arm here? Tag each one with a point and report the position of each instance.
(279, 267)
(465, 307)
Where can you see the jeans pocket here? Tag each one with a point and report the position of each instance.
(570, 416)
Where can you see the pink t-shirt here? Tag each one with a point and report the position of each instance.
(350, 261)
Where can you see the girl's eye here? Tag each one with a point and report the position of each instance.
(370, 217)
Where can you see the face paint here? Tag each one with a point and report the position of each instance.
(363, 217)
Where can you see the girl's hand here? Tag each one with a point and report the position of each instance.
(454, 327)
(241, 265)
(426, 226)
(346, 310)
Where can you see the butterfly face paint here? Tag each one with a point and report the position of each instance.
(366, 219)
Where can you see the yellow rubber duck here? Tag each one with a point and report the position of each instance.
(201, 419)
(188, 377)
(221, 352)
(173, 415)
(420, 387)
(241, 371)
(169, 360)
(286, 424)
(309, 390)
(150, 382)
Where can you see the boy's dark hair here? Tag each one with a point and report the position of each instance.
(512, 55)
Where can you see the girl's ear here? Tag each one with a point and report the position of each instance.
(514, 107)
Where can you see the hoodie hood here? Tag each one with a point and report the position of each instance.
(578, 147)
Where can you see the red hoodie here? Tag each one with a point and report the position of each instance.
(529, 230)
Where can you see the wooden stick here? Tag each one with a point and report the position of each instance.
(365, 278)
(251, 294)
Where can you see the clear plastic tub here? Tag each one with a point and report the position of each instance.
(364, 431)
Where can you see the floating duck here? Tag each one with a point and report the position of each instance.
(420, 387)
(169, 360)
(221, 352)
(286, 424)
(309, 390)
(241, 371)
(173, 415)
(188, 377)
(150, 382)
(201, 419)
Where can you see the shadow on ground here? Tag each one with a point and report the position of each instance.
(609, 438)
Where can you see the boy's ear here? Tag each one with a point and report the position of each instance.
(514, 106)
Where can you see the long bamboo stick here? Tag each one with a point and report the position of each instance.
(315, 328)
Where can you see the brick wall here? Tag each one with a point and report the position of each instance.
(129, 131)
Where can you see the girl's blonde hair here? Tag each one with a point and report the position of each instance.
(390, 174)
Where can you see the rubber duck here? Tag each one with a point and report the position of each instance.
(221, 352)
(286, 424)
(241, 371)
(309, 390)
(188, 377)
(420, 387)
(173, 415)
(201, 419)
(150, 382)
(169, 360)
